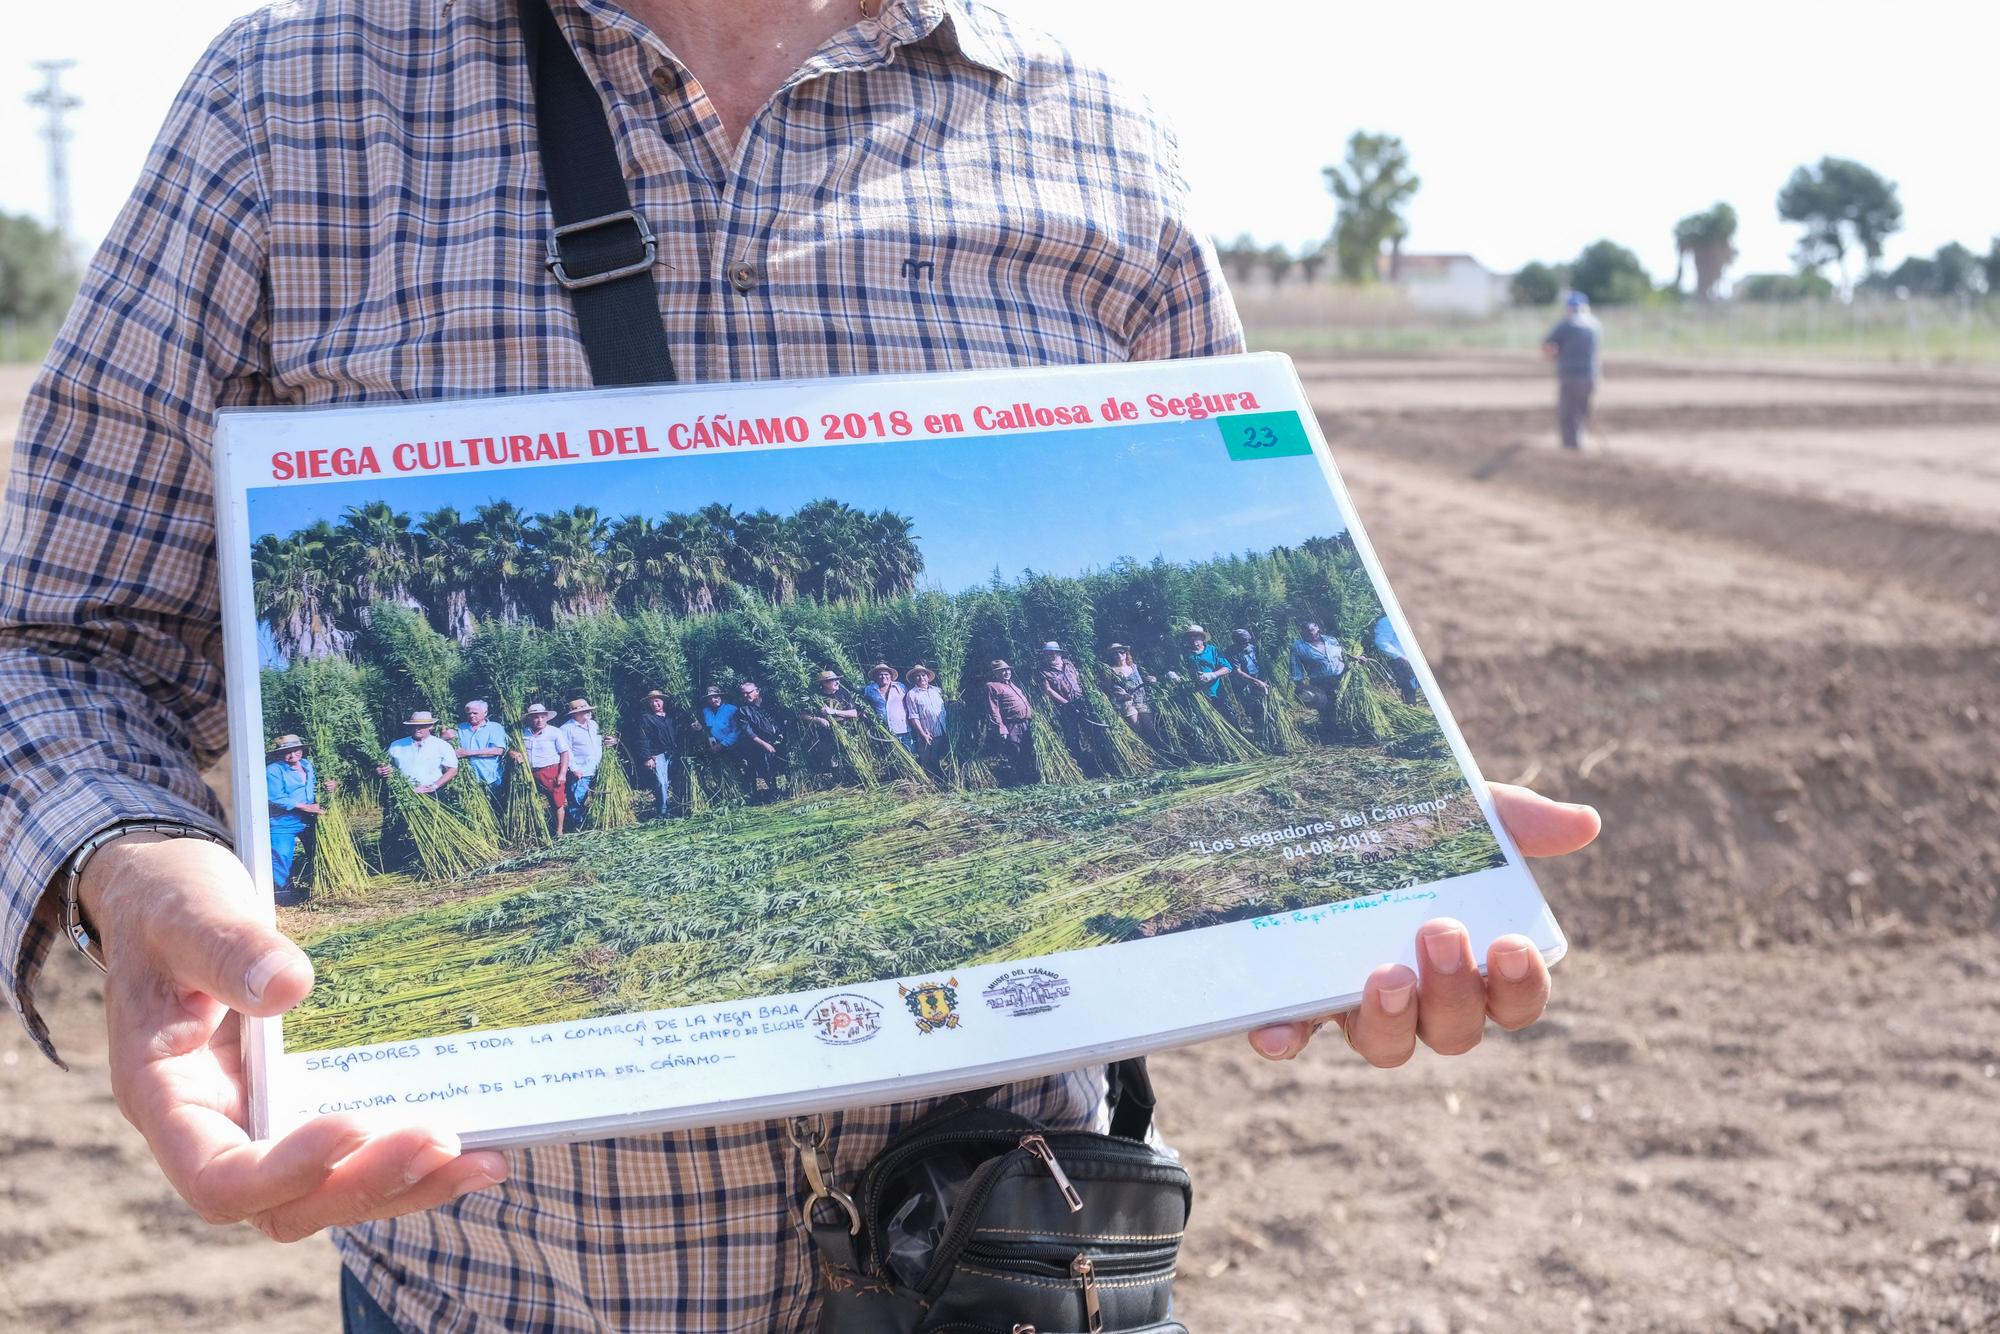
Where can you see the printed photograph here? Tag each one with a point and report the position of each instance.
(554, 743)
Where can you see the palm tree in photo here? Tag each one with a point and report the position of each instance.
(895, 559)
(503, 565)
(446, 570)
(694, 562)
(570, 544)
(297, 594)
(833, 538)
(765, 556)
(377, 554)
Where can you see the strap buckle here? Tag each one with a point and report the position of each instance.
(647, 244)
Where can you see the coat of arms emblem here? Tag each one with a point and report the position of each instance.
(934, 1004)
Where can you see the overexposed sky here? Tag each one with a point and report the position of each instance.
(1537, 127)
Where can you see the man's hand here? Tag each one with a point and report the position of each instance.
(1447, 1003)
(185, 946)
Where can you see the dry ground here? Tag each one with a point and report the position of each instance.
(1758, 627)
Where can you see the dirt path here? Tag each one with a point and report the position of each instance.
(1760, 632)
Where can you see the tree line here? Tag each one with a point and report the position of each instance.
(314, 588)
(1842, 208)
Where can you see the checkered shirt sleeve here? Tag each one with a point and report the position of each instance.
(110, 637)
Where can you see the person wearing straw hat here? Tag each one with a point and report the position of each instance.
(586, 753)
(1013, 720)
(545, 750)
(891, 699)
(425, 759)
(656, 743)
(292, 788)
(482, 744)
(1208, 663)
(832, 705)
(926, 706)
(1130, 689)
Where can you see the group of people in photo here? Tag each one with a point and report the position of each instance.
(757, 743)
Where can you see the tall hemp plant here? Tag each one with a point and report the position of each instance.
(1060, 609)
(652, 659)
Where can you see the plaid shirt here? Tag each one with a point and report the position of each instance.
(345, 205)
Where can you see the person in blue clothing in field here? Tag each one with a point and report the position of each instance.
(292, 787)
(482, 744)
(1390, 649)
(1574, 346)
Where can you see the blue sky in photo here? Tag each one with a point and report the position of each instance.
(1059, 502)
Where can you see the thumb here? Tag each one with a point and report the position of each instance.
(1541, 827)
(190, 910)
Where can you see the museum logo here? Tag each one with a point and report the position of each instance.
(1026, 991)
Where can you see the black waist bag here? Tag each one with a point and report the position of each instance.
(980, 1221)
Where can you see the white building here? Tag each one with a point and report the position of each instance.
(1454, 284)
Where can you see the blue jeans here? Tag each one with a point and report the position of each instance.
(359, 1312)
(579, 793)
(662, 781)
(285, 831)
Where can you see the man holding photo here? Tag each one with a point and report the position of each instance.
(319, 223)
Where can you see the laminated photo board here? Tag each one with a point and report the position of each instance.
(1059, 715)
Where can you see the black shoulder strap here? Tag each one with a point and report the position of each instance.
(1129, 1089)
(601, 251)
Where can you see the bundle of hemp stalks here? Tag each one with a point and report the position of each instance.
(440, 843)
(1358, 713)
(338, 873)
(524, 810)
(1194, 728)
(466, 796)
(1053, 762)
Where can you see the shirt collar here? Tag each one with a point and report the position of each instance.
(970, 31)
(967, 30)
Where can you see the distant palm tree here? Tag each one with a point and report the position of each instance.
(297, 593)
(765, 556)
(446, 571)
(377, 555)
(894, 558)
(570, 544)
(502, 562)
(1709, 238)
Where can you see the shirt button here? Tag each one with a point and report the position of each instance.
(664, 80)
(743, 277)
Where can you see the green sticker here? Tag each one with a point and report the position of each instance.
(1263, 435)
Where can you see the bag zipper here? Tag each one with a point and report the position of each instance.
(1038, 1146)
(1085, 1274)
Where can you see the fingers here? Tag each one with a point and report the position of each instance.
(1541, 827)
(1517, 983)
(183, 909)
(399, 1173)
(327, 1173)
(1384, 1029)
(1451, 1007)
